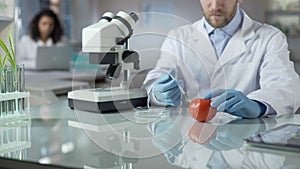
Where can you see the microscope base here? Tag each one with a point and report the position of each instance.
(107, 100)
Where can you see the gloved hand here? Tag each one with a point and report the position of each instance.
(231, 135)
(236, 103)
(166, 89)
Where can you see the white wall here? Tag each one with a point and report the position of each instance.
(255, 9)
(84, 12)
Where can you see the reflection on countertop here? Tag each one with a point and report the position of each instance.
(146, 138)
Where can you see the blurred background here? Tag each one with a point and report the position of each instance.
(157, 18)
(76, 14)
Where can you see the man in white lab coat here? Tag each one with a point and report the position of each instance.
(242, 65)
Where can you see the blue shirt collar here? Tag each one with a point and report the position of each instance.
(230, 28)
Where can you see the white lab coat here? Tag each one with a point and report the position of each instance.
(255, 62)
(27, 50)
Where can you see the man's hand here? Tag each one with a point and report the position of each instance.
(236, 103)
(166, 89)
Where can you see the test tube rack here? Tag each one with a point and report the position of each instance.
(15, 139)
(14, 106)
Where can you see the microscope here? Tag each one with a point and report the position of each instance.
(106, 42)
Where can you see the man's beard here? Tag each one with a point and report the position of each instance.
(223, 21)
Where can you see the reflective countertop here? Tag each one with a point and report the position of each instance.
(144, 138)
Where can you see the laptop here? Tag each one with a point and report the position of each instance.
(285, 137)
(54, 58)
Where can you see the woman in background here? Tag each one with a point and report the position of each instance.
(44, 30)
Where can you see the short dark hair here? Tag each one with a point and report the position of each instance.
(57, 33)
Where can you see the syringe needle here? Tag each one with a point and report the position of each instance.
(181, 89)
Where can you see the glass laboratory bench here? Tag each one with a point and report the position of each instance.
(55, 136)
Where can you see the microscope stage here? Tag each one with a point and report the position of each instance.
(107, 99)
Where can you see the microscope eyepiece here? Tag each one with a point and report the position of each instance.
(134, 16)
(107, 17)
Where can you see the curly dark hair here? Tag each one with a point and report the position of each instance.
(57, 31)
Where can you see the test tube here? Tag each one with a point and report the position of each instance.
(15, 86)
(21, 88)
(5, 137)
(3, 83)
(22, 133)
(12, 135)
(18, 134)
(2, 90)
(9, 89)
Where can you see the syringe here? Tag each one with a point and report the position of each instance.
(181, 89)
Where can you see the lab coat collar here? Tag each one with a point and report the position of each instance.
(48, 43)
(248, 27)
(208, 27)
(201, 43)
(234, 24)
(236, 45)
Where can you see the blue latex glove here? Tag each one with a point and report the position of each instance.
(231, 135)
(166, 89)
(236, 103)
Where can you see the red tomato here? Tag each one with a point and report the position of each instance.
(201, 111)
(202, 133)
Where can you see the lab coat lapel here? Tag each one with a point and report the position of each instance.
(237, 44)
(234, 48)
(201, 43)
